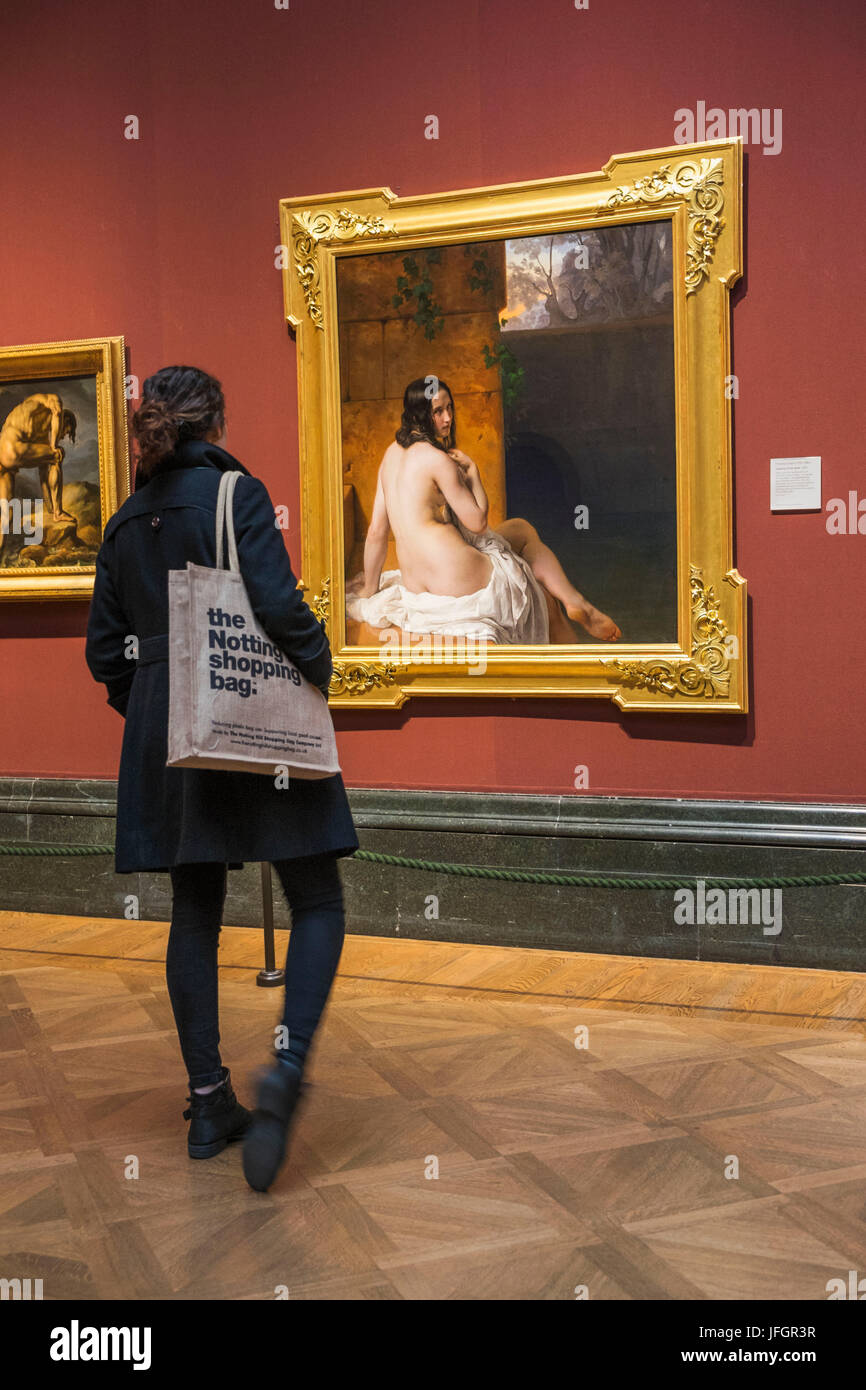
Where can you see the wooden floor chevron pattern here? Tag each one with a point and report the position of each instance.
(707, 1139)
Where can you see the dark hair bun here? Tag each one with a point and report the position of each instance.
(177, 403)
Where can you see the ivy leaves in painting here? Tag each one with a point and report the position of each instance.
(415, 286)
(418, 286)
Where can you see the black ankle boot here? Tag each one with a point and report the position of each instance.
(280, 1091)
(217, 1119)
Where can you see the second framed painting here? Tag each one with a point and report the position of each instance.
(515, 434)
(64, 463)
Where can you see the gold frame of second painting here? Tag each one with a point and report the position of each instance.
(699, 187)
(103, 358)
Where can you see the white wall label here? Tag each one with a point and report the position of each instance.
(795, 485)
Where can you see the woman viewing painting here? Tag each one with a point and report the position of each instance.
(457, 575)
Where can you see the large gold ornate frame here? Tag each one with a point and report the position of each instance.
(104, 359)
(699, 187)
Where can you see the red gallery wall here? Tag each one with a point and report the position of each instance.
(170, 241)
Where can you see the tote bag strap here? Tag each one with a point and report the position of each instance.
(225, 517)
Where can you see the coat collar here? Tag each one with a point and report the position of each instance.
(178, 481)
(194, 453)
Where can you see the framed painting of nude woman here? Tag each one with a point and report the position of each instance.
(515, 434)
(64, 466)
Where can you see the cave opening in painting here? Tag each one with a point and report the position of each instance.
(542, 368)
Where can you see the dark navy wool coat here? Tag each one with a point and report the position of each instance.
(179, 815)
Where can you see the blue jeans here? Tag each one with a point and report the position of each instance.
(315, 896)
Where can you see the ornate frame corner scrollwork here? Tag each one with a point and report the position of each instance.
(702, 184)
(708, 674)
(359, 677)
(351, 678)
(311, 228)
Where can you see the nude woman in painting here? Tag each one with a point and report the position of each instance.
(456, 574)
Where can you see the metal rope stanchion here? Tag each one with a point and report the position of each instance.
(270, 976)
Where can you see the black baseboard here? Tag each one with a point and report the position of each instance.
(821, 927)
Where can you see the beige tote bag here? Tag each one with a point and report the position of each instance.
(236, 701)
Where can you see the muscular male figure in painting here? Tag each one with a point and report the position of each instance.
(416, 487)
(29, 439)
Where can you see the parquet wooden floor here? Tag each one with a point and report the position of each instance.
(606, 1166)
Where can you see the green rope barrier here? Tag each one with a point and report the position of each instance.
(521, 875)
(604, 880)
(56, 849)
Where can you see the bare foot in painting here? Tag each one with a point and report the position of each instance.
(596, 623)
